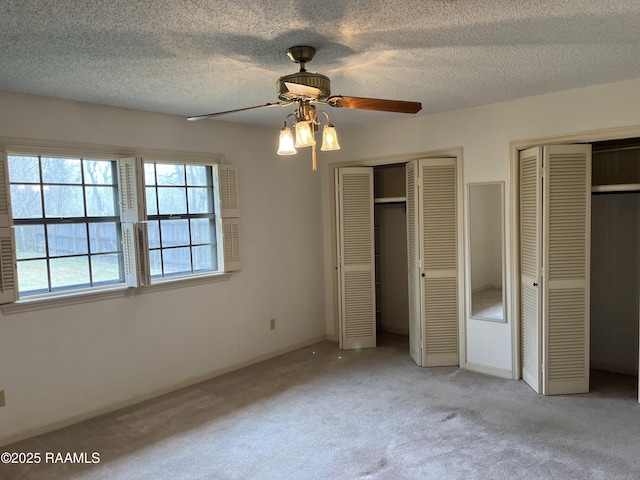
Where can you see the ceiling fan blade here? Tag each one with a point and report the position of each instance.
(399, 106)
(217, 114)
(302, 90)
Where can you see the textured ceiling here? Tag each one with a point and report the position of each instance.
(202, 56)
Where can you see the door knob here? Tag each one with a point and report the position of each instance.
(535, 284)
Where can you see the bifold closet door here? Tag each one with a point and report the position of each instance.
(566, 250)
(413, 265)
(356, 256)
(432, 230)
(530, 262)
(555, 235)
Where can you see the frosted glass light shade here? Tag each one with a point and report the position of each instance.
(285, 146)
(329, 138)
(304, 134)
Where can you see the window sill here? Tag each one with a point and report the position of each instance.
(74, 298)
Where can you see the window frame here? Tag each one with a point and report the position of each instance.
(48, 223)
(21, 146)
(160, 217)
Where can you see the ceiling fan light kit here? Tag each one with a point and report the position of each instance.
(304, 136)
(329, 138)
(307, 89)
(285, 145)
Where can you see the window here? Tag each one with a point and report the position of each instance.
(83, 223)
(180, 219)
(66, 225)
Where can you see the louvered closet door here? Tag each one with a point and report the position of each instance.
(567, 220)
(413, 265)
(439, 253)
(530, 253)
(356, 252)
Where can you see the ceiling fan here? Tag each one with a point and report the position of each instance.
(307, 90)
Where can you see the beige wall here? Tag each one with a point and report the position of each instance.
(63, 362)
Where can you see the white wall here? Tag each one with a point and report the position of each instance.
(62, 362)
(485, 134)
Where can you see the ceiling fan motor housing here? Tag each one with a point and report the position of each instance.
(308, 79)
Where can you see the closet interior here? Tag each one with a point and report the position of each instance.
(615, 258)
(390, 225)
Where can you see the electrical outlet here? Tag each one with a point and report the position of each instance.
(2, 398)
(272, 324)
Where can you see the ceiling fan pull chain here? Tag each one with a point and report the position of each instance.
(313, 157)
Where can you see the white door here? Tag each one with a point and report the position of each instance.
(555, 233)
(413, 265)
(566, 257)
(530, 263)
(432, 235)
(356, 252)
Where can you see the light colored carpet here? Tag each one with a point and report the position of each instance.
(487, 304)
(322, 413)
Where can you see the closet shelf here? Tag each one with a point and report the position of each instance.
(622, 187)
(390, 200)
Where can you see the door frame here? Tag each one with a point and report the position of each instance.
(390, 160)
(514, 217)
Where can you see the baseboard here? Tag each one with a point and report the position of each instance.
(486, 287)
(493, 371)
(332, 338)
(68, 421)
(614, 368)
(392, 329)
